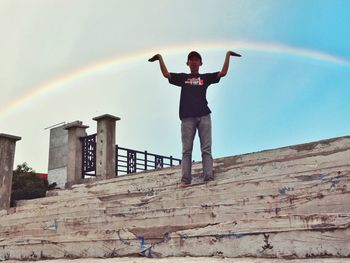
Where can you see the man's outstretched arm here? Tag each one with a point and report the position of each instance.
(224, 69)
(163, 68)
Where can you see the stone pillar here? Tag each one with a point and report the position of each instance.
(74, 166)
(105, 148)
(58, 156)
(7, 155)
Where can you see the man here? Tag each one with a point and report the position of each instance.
(194, 111)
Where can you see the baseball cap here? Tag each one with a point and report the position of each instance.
(194, 54)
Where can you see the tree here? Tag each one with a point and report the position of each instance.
(26, 184)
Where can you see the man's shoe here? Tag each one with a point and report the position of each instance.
(184, 185)
(206, 180)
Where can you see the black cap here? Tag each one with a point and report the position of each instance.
(194, 54)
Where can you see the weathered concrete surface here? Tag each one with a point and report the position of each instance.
(105, 146)
(58, 156)
(289, 203)
(58, 176)
(7, 155)
(191, 260)
(76, 130)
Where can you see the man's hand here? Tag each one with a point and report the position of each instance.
(224, 69)
(154, 58)
(163, 68)
(233, 54)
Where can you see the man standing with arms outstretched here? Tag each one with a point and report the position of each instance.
(194, 111)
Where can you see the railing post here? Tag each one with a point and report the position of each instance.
(116, 159)
(75, 148)
(105, 148)
(145, 160)
(7, 154)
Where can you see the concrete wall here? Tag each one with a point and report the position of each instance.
(58, 156)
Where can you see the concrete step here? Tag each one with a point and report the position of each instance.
(286, 202)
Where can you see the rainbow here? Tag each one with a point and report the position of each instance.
(142, 55)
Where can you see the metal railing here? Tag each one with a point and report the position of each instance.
(133, 161)
(127, 160)
(88, 155)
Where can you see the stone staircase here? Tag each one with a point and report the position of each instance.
(291, 202)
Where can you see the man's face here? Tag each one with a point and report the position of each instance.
(194, 63)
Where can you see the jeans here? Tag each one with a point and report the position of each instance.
(189, 127)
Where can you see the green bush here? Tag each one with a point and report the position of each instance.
(26, 184)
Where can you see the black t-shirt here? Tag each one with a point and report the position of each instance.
(193, 101)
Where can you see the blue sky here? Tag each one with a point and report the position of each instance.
(272, 97)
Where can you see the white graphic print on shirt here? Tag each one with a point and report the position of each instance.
(195, 81)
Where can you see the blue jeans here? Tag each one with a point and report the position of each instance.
(189, 127)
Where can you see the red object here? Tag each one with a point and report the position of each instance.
(42, 176)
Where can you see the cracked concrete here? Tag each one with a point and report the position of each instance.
(271, 204)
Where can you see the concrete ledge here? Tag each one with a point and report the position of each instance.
(106, 116)
(75, 124)
(8, 136)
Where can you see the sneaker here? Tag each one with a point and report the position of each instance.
(206, 180)
(183, 185)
